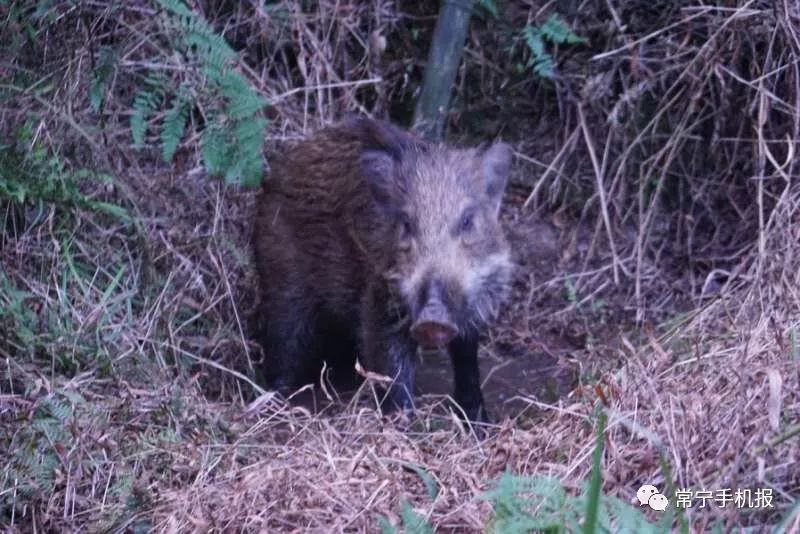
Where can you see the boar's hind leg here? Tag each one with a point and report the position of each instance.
(464, 355)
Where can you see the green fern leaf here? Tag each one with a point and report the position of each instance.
(490, 6)
(176, 7)
(243, 101)
(142, 109)
(145, 103)
(106, 63)
(174, 125)
(386, 525)
(250, 137)
(216, 150)
(541, 61)
(557, 31)
(232, 142)
(554, 30)
(533, 38)
(414, 523)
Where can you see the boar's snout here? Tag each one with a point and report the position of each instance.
(433, 327)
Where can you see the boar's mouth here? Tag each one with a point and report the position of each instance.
(433, 326)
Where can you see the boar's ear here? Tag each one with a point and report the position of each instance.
(496, 166)
(384, 136)
(383, 147)
(379, 170)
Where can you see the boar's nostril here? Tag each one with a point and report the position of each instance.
(433, 326)
(433, 335)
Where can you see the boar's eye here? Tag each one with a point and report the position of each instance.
(406, 227)
(467, 222)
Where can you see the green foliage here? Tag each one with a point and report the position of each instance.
(412, 522)
(101, 75)
(14, 315)
(511, 508)
(29, 174)
(593, 496)
(570, 291)
(145, 103)
(233, 133)
(52, 450)
(174, 125)
(541, 504)
(525, 504)
(37, 447)
(20, 330)
(35, 185)
(790, 518)
(555, 31)
(490, 6)
(22, 20)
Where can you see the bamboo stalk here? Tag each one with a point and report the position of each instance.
(440, 72)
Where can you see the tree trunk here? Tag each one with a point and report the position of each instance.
(440, 72)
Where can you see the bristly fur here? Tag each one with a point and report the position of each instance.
(355, 226)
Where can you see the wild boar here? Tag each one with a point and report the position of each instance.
(371, 243)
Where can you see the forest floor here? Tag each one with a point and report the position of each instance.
(173, 435)
(654, 216)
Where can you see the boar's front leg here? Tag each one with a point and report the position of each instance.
(287, 336)
(400, 365)
(387, 349)
(464, 355)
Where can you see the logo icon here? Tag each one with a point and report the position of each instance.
(650, 496)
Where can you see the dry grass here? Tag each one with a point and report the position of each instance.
(664, 151)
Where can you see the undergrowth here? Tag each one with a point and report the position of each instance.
(32, 176)
(553, 30)
(37, 191)
(227, 110)
(523, 504)
(656, 143)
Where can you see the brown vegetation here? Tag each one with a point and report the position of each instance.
(661, 158)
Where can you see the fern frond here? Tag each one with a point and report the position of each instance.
(106, 63)
(250, 139)
(232, 142)
(557, 31)
(74, 397)
(177, 7)
(554, 30)
(174, 125)
(490, 6)
(413, 522)
(243, 101)
(540, 61)
(145, 103)
(60, 410)
(200, 37)
(216, 150)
